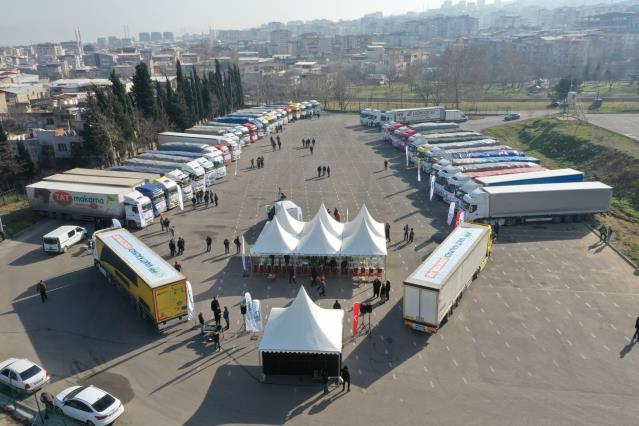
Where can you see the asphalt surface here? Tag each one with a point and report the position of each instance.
(624, 124)
(542, 337)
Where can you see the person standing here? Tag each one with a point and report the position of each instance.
(336, 305)
(227, 244)
(319, 171)
(291, 275)
(206, 199)
(177, 266)
(405, 232)
(609, 234)
(162, 221)
(602, 233)
(325, 380)
(411, 235)
(172, 229)
(323, 170)
(167, 224)
(313, 143)
(42, 289)
(215, 199)
(376, 287)
(387, 232)
(303, 143)
(322, 286)
(346, 378)
(194, 201)
(172, 247)
(217, 315)
(636, 335)
(252, 163)
(387, 289)
(209, 241)
(382, 293)
(328, 171)
(200, 319)
(180, 246)
(385, 164)
(226, 315)
(311, 148)
(262, 161)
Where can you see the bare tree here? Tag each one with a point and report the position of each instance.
(342, 91)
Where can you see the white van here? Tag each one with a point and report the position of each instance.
(61, 239)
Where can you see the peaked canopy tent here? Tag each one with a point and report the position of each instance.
(274, 240)
(302, 339)
(289, 223)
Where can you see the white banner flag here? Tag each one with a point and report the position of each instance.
(116, 223)
(406, 152)
(180, 198)
(243, 255)
(346, 214)
(461, 217)
(190, 306)
(257, 315)
(249, 317)
(419, 173)
(432, 186)
(451, 212)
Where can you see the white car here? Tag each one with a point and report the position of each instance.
(89, 405)
(23, 375)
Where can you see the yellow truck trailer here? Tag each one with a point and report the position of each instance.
(159, 292)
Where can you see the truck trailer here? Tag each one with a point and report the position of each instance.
(89, 202)
(159, 292)
(436, 286)
(556, 202)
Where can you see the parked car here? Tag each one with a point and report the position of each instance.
(512, 116)
(23, 375)
(60, 239)
(89, 405)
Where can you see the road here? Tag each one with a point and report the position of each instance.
(624, 124)
(541, 337)
(484, 123)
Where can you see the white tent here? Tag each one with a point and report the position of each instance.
(334, 227)
(290, 225)
(317, 240)
(274, 240)
(363, 241)
(364, 216)
(289, 206)
(303, 327)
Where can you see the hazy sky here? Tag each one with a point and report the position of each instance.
(30, 21)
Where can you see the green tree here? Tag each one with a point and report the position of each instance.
(98, 134)
(3, 134)
(25, 162)
(565, 85)
(9, 165)
(143, 91)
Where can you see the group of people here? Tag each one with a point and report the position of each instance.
(179, 246)
(381, 290)
(409, 234)
(205, 197)
(260, 162)
(323, 171)
(605, 233)
(309, 143)
(278, 143)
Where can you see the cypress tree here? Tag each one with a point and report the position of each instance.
(143, 91)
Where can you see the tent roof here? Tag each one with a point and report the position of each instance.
(318, 241)
(334, 227)
(363, 241)
(274, 240)
(286, 205)
(303, 327)
(365, 216)
(290, 224)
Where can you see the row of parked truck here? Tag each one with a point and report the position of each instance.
(143, 187)
(492, 182)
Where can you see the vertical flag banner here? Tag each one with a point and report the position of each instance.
(355, 318)
(190, 306)
(180, 198)
(461, 217)
(346, 214)
(451, 213)
(243, 255)
(432, 186)
(257, 315)
(406, 152)
(457, 218)
(419, 173)
(249, 317)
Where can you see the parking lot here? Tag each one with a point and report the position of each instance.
(541, 337)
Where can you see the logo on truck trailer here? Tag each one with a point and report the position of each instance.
(65, 199)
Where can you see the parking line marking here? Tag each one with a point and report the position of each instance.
(582, 355)
(606, 348)
(555, 362)
(569, 342)
(613, 327)
(432, 385)
(507, 345)
(483, 355)
(455, 362)
(465, 381)
(491, 368)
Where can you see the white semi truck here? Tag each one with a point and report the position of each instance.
(193, 169)
(556, 202)
(436, 286)
(88, 202)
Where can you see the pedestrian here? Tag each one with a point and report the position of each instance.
(225, 315)
(405, 232)
(252, 163)
(602, 232)
(206, 199)
(209, 241)
(303, 143)
(385, 164)
(387, 232)
(313, 275)
(291, 275)
(200, 319)
(387, 290)
(162, 221)
(172, 229)
(238, 244)
(319, 171)
(411, 235)
(215, 305)
(311, 148)
(42, 289)
(318, 115)
(227, 244)
(609, 236)
(382, 294)
(194, 201)
(177, 266)
(376, 287)
(215, 199)
(217, 315)
(262, 161)
(167, 223)
(313, 143)
(346, 375)
(323, 170)
(336, 305)
(47, 399)
(258, 163)
(328, 171)
(636, 335)
(322, 286)
(325, 380)
(172, 247)
(279, 143)
(180, 246)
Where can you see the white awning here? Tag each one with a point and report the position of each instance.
(362, 241)
(274, 240)
(303, 327)
(317, 240)
(288, 222)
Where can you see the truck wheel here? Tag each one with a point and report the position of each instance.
(131, 224)
(65, 249)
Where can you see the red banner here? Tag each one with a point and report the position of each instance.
(355, 318)
(458, 218)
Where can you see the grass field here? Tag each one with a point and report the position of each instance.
(16, 216)
(600, 154)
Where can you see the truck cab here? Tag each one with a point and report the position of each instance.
(171, 193)
(183, 180)
(452, 184)
(138, 210)
(475, 205)
(156, 194)
(441, 178)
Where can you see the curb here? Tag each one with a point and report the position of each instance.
(19, 411)
(623, 256)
